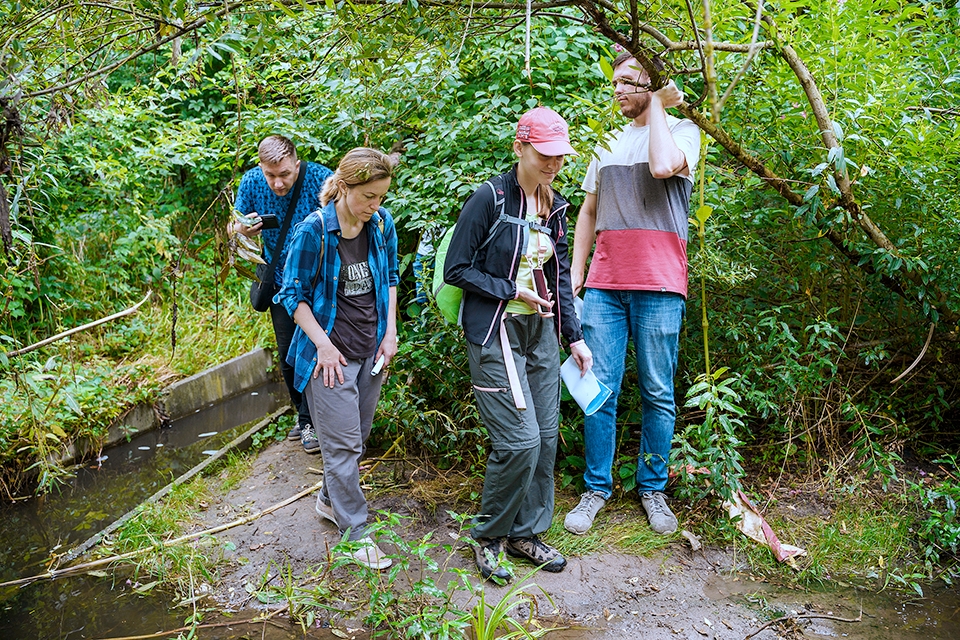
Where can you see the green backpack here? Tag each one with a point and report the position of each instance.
(448, 298)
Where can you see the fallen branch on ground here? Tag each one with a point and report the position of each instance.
(806, 616)
(82, 568)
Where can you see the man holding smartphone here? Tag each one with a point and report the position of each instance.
(264, 196)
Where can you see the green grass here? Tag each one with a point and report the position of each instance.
(178, 568)
(620, 526)
(74, 389)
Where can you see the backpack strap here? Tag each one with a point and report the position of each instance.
(323, 244)
(499, 203)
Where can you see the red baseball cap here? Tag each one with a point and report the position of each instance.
(546, 131)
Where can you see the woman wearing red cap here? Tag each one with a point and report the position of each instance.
(509, 255)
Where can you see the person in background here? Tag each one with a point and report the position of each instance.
(265, 189)
(636, 209)
(512, 233)
(340, 287)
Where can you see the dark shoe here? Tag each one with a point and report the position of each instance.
(661, 519)
(538, 552)
(488, 553)
(308, 438)
(294, 433)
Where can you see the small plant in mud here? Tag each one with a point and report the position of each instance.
(408, 600)
(939, 531)
(706, 454)
(495, 621)
(415, 598)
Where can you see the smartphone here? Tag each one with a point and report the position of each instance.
(269, 221)
(540, 285)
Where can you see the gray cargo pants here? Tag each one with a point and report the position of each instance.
(342, 417)
(518, 485)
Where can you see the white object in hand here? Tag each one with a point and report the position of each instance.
(377, 367)
(587, 390)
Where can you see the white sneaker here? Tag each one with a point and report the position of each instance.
(325, 511)
(580, 518)
(661, 519)
(370, 555)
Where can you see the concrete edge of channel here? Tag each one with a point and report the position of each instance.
(182, 398)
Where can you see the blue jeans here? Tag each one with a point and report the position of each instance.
(653, 320)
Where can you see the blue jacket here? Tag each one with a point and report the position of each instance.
(304, 280)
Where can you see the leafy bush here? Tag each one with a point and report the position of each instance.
(939, 531)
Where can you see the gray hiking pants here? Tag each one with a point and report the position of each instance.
(518, 485)
(342, 417)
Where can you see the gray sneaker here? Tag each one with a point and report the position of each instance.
(369, 554)
(580, 518)
(326, 511)
(661, 519)
(294, 433)
(308, 438)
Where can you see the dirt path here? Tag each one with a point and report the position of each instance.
(674, 594)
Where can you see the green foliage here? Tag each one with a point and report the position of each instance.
(490, 621)
(411, 599)
(274, 432)
(706, 455)
(428, 398)
(48, 404)
(939, 530)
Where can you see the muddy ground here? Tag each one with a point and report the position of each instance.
(677, 593)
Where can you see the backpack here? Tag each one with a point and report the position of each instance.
(448, 298)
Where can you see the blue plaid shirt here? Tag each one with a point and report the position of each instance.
(254, 194)
(306, 281)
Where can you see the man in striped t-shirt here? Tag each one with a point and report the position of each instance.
(635, 210)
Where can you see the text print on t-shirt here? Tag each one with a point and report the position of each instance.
(356, 278)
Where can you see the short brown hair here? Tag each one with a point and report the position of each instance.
(626, 55)
(276, 148)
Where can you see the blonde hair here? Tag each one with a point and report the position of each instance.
(359, 166)
(276, 148)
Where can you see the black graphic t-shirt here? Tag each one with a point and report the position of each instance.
(355, 328)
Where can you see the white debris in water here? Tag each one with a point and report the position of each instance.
(254, 393)
(207, 434)
(102, 458)
(144, 448)
(209, 452)
(159, 444)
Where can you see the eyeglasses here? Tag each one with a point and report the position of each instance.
(638, 87)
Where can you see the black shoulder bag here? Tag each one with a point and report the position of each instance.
(263, 288)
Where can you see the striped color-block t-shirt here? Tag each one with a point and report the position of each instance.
(641, 221)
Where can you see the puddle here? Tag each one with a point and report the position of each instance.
(103, 490)
(886, 615)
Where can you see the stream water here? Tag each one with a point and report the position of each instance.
(102, 491)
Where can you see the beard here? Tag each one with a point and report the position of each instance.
(634, 108)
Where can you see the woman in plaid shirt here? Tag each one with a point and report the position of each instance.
(340, 287)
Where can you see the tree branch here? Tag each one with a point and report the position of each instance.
(89, 325)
